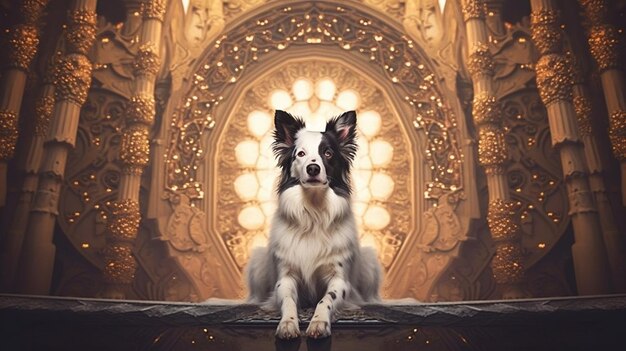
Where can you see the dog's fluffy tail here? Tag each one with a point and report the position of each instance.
(260, 275)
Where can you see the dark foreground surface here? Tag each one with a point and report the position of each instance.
(45, 323)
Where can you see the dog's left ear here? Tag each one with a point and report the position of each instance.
(344, 127)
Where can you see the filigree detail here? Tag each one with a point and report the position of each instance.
(617, 134)
(123, 222)
(141, 109)
(554, 79)
(8, 134)
(73, 79)
(546, 33)
(81, 31)
(135, 147)
(480, 62)
(43, 113)
(473, 9)
(492, 150)
(120, 265)
(604, 46)
(23, 40)
(147, 60)
(325, 25)
(582, 106)
(153, 9)
(30, 10)
(486, 109)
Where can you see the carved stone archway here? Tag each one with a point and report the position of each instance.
(182, 190)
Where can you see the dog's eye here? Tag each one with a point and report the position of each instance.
(328, 154)
(300, 154)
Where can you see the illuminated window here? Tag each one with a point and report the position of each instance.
(315, 101)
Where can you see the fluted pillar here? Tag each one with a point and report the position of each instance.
(554, 81)
(72, 82)
(604, 43)
(507, 263)
(613, 241)
(11, 242)
(125, 218)
(23, 40)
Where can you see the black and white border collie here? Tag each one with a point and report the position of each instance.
(313, 257)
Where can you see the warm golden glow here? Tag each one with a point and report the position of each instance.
(315, 101)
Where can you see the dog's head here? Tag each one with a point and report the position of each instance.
(315, 159)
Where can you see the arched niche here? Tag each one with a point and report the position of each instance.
(184, 199)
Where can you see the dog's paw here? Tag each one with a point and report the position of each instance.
(288, 329)
(318, 329)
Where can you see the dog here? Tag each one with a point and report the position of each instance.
(313, 257)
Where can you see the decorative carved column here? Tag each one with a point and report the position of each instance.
(603, 41)
(507, 264)
(23, 39)
(554, 81)
(72, 82)
(613, 241)
(11, 245)
(122, 227)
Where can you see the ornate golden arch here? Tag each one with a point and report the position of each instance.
(444, 190)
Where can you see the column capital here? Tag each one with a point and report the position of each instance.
(554, 79)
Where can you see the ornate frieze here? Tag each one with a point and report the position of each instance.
(473, 9)
(617, 133)
(546, 33)
(81, 31)
(146, 60)
(141, 109)
(480, 62)
(153, 9)
(554, 78)
(23, 40)
(582, 107)
(485, 109)
(43, 112)
(8, 134)
(73, 78)
(135, 146)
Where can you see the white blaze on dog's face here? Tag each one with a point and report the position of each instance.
(308, 164)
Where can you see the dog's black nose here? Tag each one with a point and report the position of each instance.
(313, 170)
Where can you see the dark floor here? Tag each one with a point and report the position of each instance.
(43, 323)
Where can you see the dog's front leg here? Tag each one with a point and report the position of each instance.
(287, 297)
(335, 295)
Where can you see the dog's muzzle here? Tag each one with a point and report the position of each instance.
(313, 170)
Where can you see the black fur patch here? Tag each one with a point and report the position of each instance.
(343, 294)
(287, 126)
(333, 295)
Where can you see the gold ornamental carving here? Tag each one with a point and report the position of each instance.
(480, 61)
(81, 31)
(73, 79)
(124, 221)
(604, 46)
(153, 9)
(554, 79)
(501, 220)
(43, 113)
(8, 134)
(582, 107)
(31, 10)
(140, 109)
(147, 60)
(485, 109)
(119, 264)
(507, 263)
(473, 9)
(595, 10)
(23, 40)
(492, 150)
(546, 33)
(135, 146)
(617, 134)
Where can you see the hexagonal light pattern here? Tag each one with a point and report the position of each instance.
(315, 102)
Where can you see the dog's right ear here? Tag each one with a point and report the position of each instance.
(286, 128)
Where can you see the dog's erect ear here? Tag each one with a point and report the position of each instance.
(286, 128)
(344, 127)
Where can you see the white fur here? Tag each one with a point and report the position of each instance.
(313, 246)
